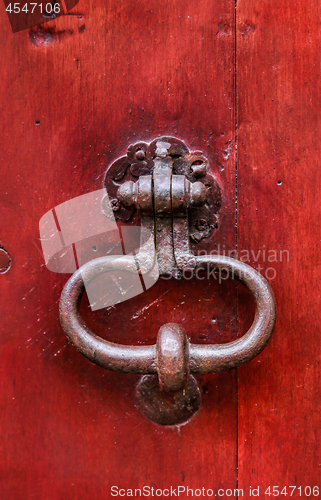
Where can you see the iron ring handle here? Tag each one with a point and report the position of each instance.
(143, 359)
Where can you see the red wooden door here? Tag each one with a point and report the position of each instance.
(75, 94)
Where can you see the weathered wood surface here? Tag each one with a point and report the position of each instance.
(74, 95)
(279, 189)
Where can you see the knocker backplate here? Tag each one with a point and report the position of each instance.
(139, 161)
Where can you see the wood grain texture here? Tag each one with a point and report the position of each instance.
(74, 95)
(279, 188)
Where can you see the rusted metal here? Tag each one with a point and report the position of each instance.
(5, 260)
(142, 359)
(164, 200)
(193, 165)
(165, 408)
(172, 357)
(156, 359)
(216, 358)
(169, 197)
(129, 359)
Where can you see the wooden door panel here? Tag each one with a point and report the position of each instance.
(278, 54)
(74, 95)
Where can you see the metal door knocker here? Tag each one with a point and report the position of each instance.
(178, 200)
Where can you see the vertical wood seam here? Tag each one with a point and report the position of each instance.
(236, 241)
